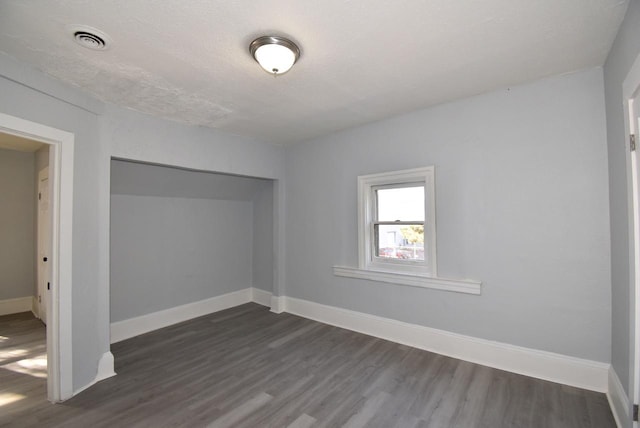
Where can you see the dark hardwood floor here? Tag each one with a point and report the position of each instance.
(248, 367)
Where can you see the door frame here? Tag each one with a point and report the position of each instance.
(630, 90)
(59, 303)
(43, 229)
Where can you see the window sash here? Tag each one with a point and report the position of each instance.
(375, 225)
(402, 185)
(399, 223)
(376, 247)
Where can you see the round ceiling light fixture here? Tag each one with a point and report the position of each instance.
(276, 55)
(90, 38)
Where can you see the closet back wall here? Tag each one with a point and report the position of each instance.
(178, 236)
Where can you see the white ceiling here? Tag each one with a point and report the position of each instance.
(362, 60)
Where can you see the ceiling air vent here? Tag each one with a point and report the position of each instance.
(90, 38)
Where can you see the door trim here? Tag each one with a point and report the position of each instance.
(630, 90)
(59, 327)
(41, 225)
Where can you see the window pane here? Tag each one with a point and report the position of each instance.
(400, 242)
(401, 203)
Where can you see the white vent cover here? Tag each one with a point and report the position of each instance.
(90, 38)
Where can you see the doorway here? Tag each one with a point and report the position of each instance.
(60, 208)
(23, 352)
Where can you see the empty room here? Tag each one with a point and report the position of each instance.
(319, 214)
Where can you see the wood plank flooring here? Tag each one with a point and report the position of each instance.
(248, 367)
(23, 364)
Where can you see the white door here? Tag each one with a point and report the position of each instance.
(44, 243)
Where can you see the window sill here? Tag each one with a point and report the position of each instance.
(466, 286)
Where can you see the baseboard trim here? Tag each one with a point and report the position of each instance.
(278, 304)
(105, 371)
(132, 327)
(549, 366)
(581, 373)
(106, 368)
(618, 401)
(15, 306)
(260, 297)
(34, 307)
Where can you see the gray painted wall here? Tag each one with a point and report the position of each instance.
(134, 178)
(167, 252)
(621, 57)
(522, 205)
(263, 260)
(139, 137)
(17, 214)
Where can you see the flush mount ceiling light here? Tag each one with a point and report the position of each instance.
(89, 37)
(275, 54)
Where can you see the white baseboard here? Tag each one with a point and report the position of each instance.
(105, 371)
(34, 307)
(132, 327)
(260, 297)
(619, 401)
(15, 306)
(105, 367)
(581, 373)
(278, 304)
(558, 368)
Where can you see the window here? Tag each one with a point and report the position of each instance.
(397, 233)
(397, 222)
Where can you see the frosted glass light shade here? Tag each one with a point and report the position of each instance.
(276, 55)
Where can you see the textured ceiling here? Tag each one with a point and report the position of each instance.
(362, 60)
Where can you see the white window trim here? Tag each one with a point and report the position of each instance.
(466, 286)
(421, 279)
(366, 183)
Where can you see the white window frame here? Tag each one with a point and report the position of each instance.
(367, 185)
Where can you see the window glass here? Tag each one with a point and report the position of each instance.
(404, 242)
(400, 203)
